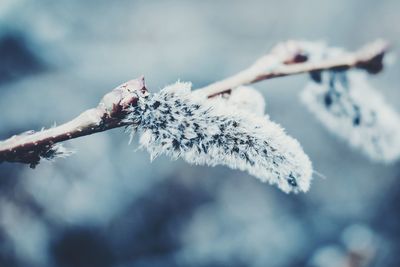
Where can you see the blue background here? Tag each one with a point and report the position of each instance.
(108, 205)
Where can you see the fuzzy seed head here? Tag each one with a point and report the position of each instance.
(174, 123)
(349, 107)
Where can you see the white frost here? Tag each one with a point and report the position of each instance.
(174, 123)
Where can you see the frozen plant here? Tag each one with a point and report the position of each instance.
(175, 123)
(224, 123)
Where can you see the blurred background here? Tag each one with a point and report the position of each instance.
(108, 205)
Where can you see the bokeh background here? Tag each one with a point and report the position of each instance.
(108, 205)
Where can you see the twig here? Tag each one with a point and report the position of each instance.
(29, 147)
(294, 62)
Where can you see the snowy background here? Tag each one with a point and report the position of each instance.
(107, 205)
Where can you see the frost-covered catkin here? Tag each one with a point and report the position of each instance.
(174, 123)
(349, 107)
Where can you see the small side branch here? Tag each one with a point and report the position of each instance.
(289, 59)
(284, 60)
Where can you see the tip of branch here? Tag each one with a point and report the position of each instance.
(123, 96)
(372, 56)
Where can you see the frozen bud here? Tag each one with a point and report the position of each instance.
(290, 52)
(349, 107)
(174, 123)
(123, 96)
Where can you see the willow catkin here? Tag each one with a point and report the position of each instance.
(347, 105)
(174, 123)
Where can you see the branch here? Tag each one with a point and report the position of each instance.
(284, 60)
(289, 59)
(29, 147)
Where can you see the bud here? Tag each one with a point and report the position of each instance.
(175, 123)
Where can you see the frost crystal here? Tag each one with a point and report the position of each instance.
(349, 107)
(174, 123)
(56, 151)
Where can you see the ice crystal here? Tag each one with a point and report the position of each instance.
(56, 151)
(175, 123)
